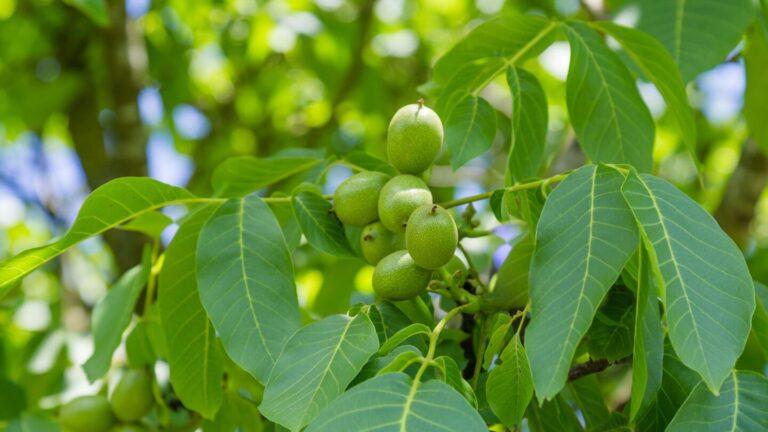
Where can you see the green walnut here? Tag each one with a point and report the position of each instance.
(376, 242)
(414, 138)
(397, 277)
(431, 236)
(87, 414)
(132, 397)
(128, 428)
(356, 200)
(399, 198)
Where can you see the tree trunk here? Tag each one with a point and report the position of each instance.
(737, 209)
(113, 143)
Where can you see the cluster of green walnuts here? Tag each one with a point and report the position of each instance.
(130, 401)
(406, 235)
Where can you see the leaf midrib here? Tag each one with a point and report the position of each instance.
(614, 120)
(677, 270)
(241, 247)
(324, 374)
(553, 377)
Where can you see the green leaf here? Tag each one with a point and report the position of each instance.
(677, 382)
(468, 80)
(469, 130)
(529, 124)
(554, 415)
(110, 205)
(96, 10)
(368, 162)
(760, 319)
(610, 119)
(742, 406)
(660, 68)
(708, 293)
(510, 387)
(237, 414)
(240, 176)
(756, 92)
(498, 340)
(138, 347)
(610, 336)
(585, 236)
(246, 284)
(512, 36)
(32, 423)
(111, 316)
(402, 335)
(194, 356)
(283, 212)
(378, 363)
(585, 391)
(150, 223)
(392, 403)
(496, 202)
(400, 362)
(648, 350)
(13, 399)
(451, 375)
(698, 33)
(317, 364)
(388, 320)
(510, 287)
(319, 224)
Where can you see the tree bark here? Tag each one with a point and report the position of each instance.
(112, 143)
(737, 208)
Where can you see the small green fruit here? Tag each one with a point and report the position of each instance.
(128, 428)
(414, 138)
(87, 414)
(132, 397)
(397, 277)
(431, 236)
(356, 199)
(399, 198)
(376, 241)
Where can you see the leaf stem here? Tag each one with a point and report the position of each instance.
(152, 282)
(513, 188)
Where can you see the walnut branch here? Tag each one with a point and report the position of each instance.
(592, 366)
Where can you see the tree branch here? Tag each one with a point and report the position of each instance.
(592, 366)
(737, 209)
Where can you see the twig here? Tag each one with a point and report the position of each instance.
(592, 366)
(518, 187)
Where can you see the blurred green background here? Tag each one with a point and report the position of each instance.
(93, 90)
